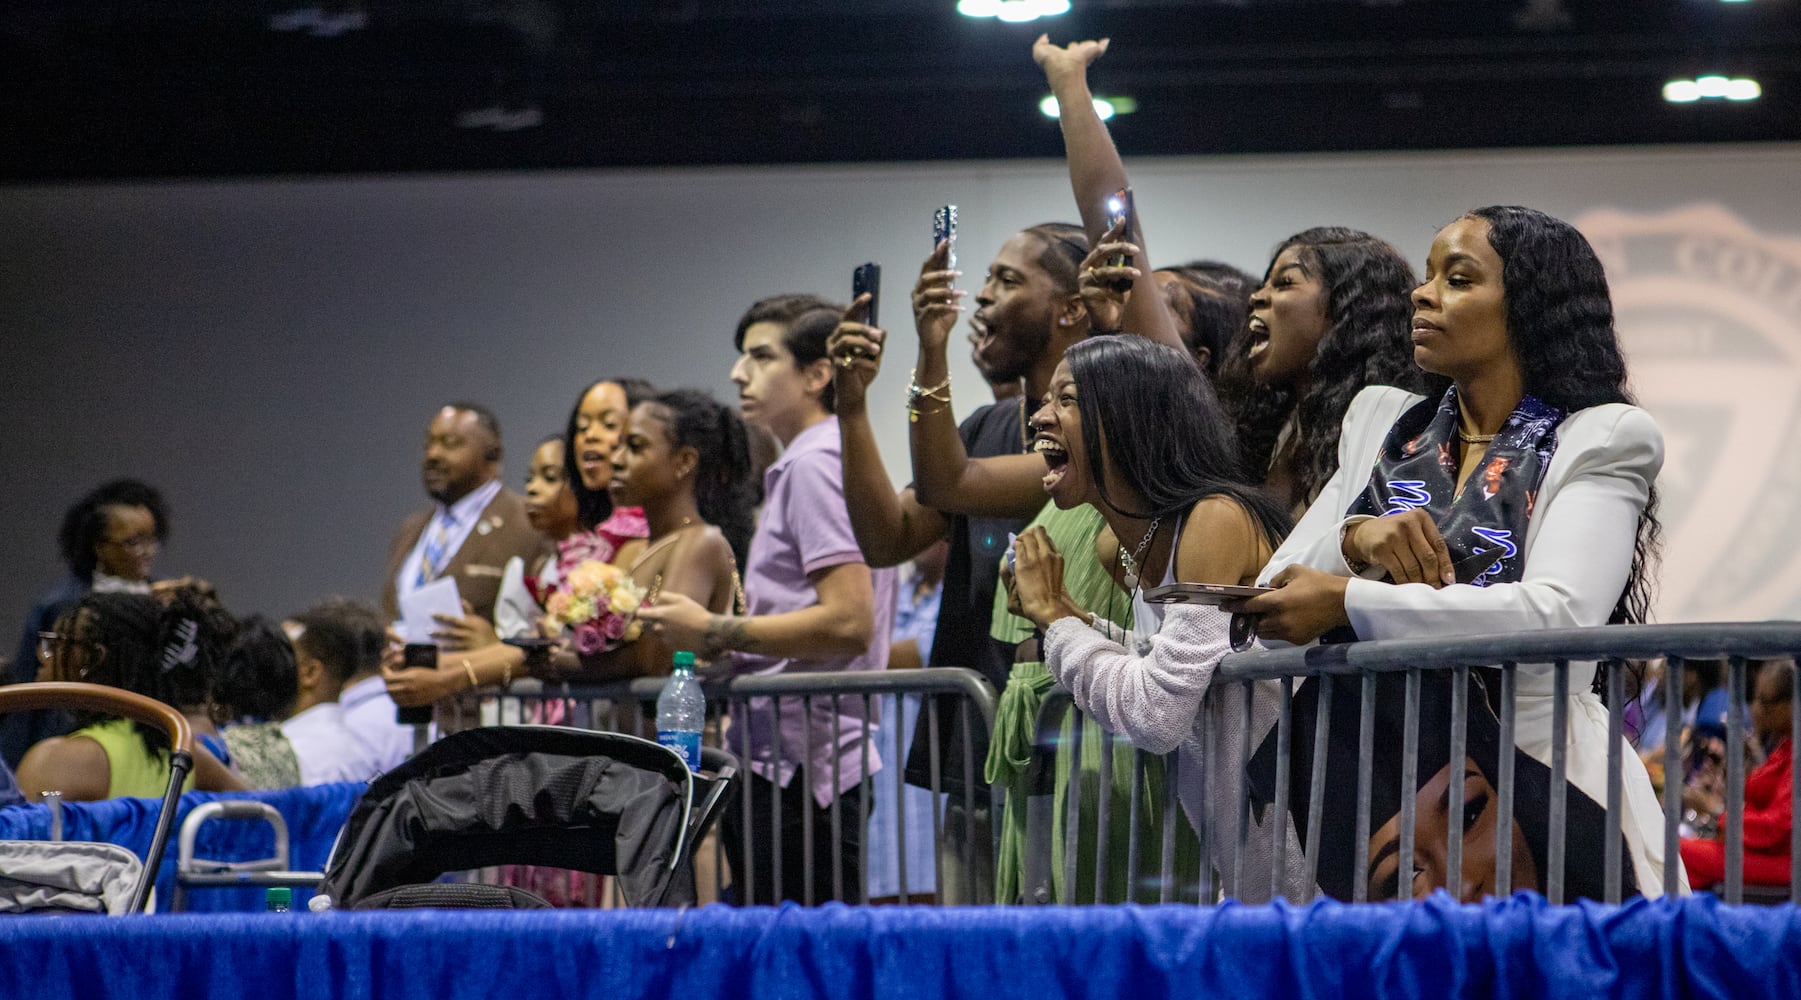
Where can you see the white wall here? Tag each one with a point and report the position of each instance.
(269, 351)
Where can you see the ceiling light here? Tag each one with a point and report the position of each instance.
(319, 22)
(500, 118)
(1014, 11)
(1105, 107)
(1713, 88)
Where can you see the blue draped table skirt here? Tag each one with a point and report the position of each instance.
(1512, 948)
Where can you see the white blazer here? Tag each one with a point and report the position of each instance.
(1578, 554)
(1578, 548)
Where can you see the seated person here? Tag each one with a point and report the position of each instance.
(132, 642)
(109, 540)
(1768, 795)
(329, 645)
(368, 711)
(258, 686)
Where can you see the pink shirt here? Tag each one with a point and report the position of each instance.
(805, 528)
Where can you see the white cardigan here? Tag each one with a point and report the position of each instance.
(1578, 555)
(1164, 701)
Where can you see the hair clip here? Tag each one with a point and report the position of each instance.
(182, 649)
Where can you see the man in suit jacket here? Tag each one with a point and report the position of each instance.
(474, 524)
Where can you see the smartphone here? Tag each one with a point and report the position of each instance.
(1200, 593)
(416, 654)
(1119, 208)
(944, 230)
(867, 278)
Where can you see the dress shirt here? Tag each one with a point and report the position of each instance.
(459, 519)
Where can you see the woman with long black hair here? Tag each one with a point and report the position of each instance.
(1521, 497)
(1330, 319)
(1131, 429)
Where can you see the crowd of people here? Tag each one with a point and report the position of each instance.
(1390, 454)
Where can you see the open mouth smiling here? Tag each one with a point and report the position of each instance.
(1056, 460)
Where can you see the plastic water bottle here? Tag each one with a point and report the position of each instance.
(682, 711)
(278, 899)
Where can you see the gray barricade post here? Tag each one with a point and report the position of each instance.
(782, 842)
(1544, 659)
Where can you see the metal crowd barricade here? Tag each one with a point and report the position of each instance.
(963, 695)
(1738, 644)
(1050, 880)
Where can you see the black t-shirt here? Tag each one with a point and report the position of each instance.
(971, 575)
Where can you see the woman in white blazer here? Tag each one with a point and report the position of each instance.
(1535, 454)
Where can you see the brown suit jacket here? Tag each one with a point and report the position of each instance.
(502, 533)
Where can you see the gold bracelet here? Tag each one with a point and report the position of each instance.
(473, 683)
(916, 392)
(914, 410)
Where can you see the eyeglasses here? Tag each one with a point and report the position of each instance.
(50, 642)
(136, 544)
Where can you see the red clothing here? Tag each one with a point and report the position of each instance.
(1768, 820)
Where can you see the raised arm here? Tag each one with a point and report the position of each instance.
(890, 528)
(1096, 172)
(945, 478)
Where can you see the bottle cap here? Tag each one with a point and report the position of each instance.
(684, 660)
(278, 897)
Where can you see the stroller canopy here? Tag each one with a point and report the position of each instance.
(535, 795)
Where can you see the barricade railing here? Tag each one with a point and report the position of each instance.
(952, 705)
(1498, 664)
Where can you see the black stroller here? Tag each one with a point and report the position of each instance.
(57, 876)
(604, 803)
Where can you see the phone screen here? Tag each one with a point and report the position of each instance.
(416, 654)
(867, 278)
(1119, 208)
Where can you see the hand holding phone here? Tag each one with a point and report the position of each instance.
(867, 279)
(1120, 209)
(416, 654)
(944, 230)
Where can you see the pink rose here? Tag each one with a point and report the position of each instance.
(588, 639)
(613, 627)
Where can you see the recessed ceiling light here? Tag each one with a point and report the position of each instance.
(1105, 107)
(1711, 88)
(1015, 11)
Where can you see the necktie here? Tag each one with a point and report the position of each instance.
(431, 561)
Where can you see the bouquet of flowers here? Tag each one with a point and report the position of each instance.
(598, 602)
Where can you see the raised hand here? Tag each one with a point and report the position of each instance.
(1104, 286)
(1063, 62)
(935, 303)
(856, 352)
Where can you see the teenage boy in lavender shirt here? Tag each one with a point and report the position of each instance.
(814, 605)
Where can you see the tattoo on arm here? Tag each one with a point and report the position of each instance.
(727, 632)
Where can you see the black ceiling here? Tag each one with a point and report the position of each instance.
(233, 87)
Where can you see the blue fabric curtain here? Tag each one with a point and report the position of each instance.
(314, 815)
(1511, 948)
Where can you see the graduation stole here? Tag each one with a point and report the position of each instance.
(1488, 512)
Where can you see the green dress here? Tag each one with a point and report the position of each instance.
(1009, 754)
